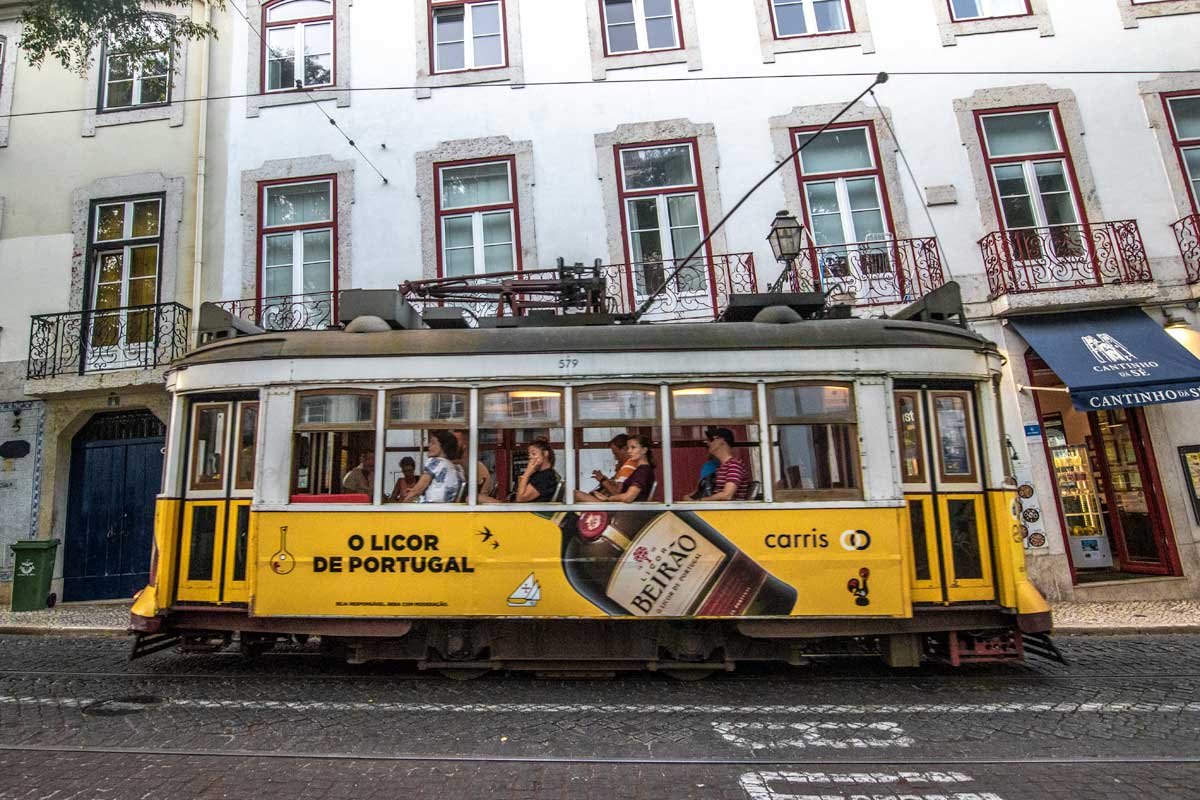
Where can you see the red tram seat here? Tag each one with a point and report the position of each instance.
(330, 498)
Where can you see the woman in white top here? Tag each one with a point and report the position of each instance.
(440, 477)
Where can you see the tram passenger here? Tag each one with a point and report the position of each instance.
(440, 477)
(732, 479)
(625, 466)
(361, 479)
(483, 474)
(407, 480)
(638, 486)
(538, 483)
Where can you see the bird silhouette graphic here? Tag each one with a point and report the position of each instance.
(486, 533)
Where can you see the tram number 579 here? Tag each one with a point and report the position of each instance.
(568, 364)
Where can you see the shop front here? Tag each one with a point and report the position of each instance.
(1092, 374)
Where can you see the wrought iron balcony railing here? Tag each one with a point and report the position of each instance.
(292, 312)
(1187, 233)
(699, 291)
(1064, 257)
(869, 273)
(82, 342)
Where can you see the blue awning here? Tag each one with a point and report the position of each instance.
(1113, 358)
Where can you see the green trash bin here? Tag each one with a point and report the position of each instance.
(33, 568)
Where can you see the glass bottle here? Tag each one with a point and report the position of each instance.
(664, 564)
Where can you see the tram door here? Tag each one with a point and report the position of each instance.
(214, 546)
(942, 472)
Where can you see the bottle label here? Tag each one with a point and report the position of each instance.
(735, 590)
(664, 569)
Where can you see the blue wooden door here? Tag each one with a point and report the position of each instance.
(110, 511)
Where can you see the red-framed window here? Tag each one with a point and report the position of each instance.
(1183, 117)
(968, 10)
(640, 26)
(478, 216)
(297, 246)
(467, 35)
(793, 18)
(845, 198)
(664, 216)
(300, 37)
(1034, 184)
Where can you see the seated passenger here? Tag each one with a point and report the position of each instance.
(407, 479)
(361, 479)
(625, 466)
(539, 482)
(440, 477)
(483, 476)
(732, 480)
(638, 485)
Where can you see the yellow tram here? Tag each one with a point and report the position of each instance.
(876, 513)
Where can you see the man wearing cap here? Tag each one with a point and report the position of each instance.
(733, 477)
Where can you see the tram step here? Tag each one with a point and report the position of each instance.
(1041, 645)
(146, 643)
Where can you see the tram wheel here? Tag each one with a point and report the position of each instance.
(463, 674)
(688, 675)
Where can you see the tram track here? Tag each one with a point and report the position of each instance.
(797, 677)
(467, 758)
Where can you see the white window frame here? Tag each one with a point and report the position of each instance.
(476, 215)
(639, 27)
(103, 247)
(299, 32)
(1028, 162)
(136, 77)
(810, 19)
(661, 195)
(297, 265)
(127, 223)
(1183, 145)
(845, 211)
(469, 64)
(986, 11)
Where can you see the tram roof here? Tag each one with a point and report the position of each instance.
(662, 337)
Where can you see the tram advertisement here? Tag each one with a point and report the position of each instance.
(581, 563)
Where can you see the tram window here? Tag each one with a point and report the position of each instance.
(412, 414)
(247, 442)
(334, 446)
(605, 418)
(912, 443)
(814, 441)
(698, 415)
(511, 419)
(209, 436)
(955, 444)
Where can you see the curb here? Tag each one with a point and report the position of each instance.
(1125, 630)
(78, 633)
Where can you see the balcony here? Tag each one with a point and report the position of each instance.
(1187, 233)
(293, 312)
(870, 273)
(699, 291)
(1064, 257)
(86, 342)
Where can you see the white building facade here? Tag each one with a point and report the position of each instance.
(1044, 154)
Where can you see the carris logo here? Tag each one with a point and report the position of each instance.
(1107, 350)
(855, 540)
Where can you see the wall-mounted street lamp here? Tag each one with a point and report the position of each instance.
(786, 239)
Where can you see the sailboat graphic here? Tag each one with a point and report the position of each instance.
(527, 594)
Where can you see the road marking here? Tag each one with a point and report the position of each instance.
(833, 735)
(760, 785)
(585, 708)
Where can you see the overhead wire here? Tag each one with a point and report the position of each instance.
(315, 102)
(945, 262)
(641, 81)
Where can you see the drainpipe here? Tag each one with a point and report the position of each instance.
(201, 167)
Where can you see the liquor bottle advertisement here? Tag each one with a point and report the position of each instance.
(581, 563)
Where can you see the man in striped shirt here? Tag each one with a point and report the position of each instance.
(733, 476)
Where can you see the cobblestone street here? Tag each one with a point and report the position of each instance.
(78, 721)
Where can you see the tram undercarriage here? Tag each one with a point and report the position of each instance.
(687, 648)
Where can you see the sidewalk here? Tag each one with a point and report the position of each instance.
(1175, 616)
